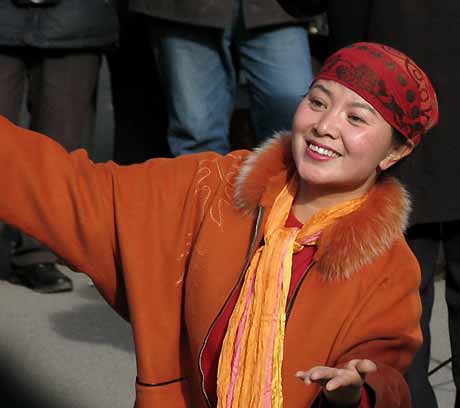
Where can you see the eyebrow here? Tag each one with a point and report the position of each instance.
(354, 104)
(322, 88)
(364, 106)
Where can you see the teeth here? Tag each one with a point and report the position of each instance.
(322, 151)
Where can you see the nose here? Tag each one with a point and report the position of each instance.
(328, 125)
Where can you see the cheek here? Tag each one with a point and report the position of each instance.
(359, 146)
(302, 117)
(297, 146)
(369, 148)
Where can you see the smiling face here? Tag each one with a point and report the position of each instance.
(340, 141)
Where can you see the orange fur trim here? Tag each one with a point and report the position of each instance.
(352, 241)
(266, 161)
(357, 239)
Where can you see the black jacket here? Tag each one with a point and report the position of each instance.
(214, 13)
(69, 24)
(429, 32)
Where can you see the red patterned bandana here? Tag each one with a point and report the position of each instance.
(390, 81)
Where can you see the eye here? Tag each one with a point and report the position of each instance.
(316, 103)
(355, 119)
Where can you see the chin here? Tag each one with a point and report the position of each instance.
(329, 183)
(315, 179)
(309, 172)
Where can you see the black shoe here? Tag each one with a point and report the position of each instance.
(42, 278)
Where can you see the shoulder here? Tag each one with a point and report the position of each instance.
(400, 264)
(186, 166)
(368, 235)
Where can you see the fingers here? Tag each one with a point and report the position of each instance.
(320, 374)
(345, 378)
(330, 378)
(352, 374)
(363, 366)
(366, 366)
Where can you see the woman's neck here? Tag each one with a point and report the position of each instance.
(311, 199)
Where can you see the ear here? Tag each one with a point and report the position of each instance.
(396, 154)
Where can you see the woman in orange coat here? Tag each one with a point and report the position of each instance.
(274, 278)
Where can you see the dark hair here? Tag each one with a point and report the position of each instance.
(397, 138)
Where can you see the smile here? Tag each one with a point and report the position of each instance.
(322, 151)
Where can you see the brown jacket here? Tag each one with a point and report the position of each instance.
(217, 14)
(166, 241)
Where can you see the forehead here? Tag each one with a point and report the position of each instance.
(336, 90)
(341, 94)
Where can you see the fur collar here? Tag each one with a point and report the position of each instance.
(351, 242)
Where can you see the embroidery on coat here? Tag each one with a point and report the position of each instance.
(226, 180)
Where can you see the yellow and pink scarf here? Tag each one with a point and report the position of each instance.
(249, 373)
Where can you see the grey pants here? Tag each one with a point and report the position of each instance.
(56, 90)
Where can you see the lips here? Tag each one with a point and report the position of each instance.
(322, 150)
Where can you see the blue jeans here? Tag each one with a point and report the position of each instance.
(198, 69)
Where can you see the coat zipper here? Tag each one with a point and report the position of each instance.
(246, 265)
(296, 291)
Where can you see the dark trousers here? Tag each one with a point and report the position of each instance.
(425, 241)
(137, 95)
(59, 90)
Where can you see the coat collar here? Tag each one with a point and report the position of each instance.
(352, 241)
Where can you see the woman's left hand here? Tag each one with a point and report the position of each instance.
(341, 386)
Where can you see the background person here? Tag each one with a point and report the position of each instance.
(50, 55)
(202, 48)
(139, 106)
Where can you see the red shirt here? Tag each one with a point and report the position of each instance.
(210, 356)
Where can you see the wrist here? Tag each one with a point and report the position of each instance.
(350, 398)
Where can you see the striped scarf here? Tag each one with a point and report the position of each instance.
(249, 373)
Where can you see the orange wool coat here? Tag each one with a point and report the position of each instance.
(166, 241)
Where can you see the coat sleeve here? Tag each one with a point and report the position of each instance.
(102, 219)
(386, 328)
(63, 200)
(365, 402)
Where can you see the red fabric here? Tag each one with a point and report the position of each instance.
(365, 402)
(211, 352)
(390, 81)
(365, 399)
